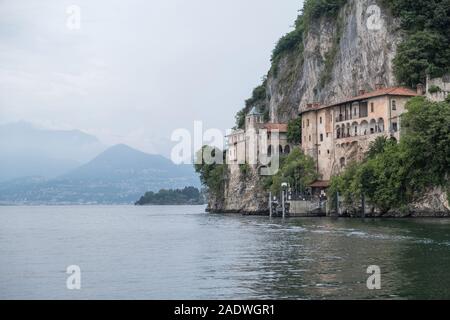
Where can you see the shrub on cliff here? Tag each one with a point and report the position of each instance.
(426, 45)
(212, 175)
(420, 54)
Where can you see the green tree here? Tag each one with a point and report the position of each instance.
(422, 53)
(294, 133)
(214, 175)
(297, 169)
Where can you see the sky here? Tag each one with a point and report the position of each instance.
(134, 71)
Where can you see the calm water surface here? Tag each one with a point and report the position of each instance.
(183, 253)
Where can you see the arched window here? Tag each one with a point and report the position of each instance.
(287, 150)
(364, 126)
(381, 125)
(342, 162)
(373, 126)
(355, 128)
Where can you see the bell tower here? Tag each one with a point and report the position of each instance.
(254, 119)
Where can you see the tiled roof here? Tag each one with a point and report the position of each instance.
(391, 91)
(281, 127)
(320, 184)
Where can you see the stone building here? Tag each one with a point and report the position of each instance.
(438, 88)
(246, 145)
(340, 133)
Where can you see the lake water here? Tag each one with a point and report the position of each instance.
(182, 253)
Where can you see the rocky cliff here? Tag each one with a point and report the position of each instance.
(340, 56)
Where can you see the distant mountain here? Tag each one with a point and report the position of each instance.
(119, 175)
(30, 151)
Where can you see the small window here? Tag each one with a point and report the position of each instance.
(307, 123)
(328, 135)
(320, 120)
(309, 137)
(328, 151)
(319, 152)
(342, 162)
(372, 107)
(395, 126)
(394, 105)
(321, 137)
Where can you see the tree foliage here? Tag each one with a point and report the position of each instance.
(420, 54)
(186, 196)
(297, 169)
(426, 45)
(212, 175)
(294, 133)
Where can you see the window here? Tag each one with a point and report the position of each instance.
(327, 134)
(363, 110)
(394, 105)
(309, 137)
(320, 120)
(395, 126)
(321, 137)
(372, 107)
(328, 151)
(307, 123)
(319, 152)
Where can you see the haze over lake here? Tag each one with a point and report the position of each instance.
(183, 253)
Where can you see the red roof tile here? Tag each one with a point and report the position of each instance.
(391, 91)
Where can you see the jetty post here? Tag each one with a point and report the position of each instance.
(284, 187)
(270, 204)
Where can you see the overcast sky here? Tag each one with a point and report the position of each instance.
(135, 70)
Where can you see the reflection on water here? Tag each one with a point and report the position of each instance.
(182, 253)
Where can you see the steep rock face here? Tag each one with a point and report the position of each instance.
(341, 56)
(243, 194)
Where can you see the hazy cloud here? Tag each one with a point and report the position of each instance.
(136, 70)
